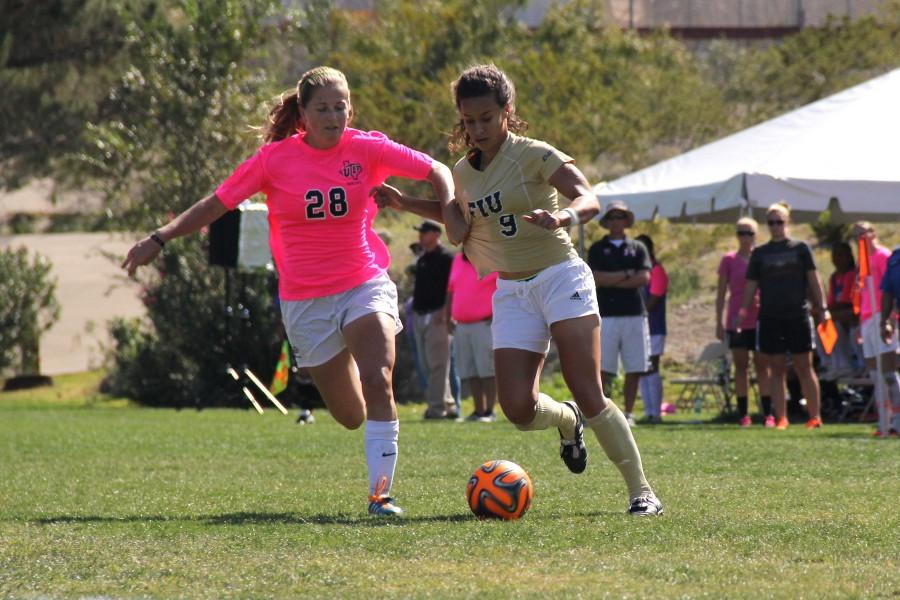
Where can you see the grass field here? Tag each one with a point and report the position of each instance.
(101, 499)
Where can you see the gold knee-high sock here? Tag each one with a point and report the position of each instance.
(550, 413)
(614, 435)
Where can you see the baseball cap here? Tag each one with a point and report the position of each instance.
(428, 225)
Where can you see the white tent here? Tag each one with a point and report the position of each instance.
(840, 153)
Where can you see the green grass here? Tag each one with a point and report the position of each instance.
(101, 499)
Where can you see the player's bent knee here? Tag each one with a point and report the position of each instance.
(520, 413)
(350, 421)
(376, 378)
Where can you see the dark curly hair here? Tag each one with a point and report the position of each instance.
(483, 80)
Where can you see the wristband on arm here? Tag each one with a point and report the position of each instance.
(572, 215)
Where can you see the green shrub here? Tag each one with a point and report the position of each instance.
(28, 307)
(20, 223)
(177, 357)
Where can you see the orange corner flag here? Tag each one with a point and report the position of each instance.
(828, 334)
(864, 270)
(282, 370)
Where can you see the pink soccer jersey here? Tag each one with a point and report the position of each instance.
(320, 211)
(659, 281)
(472, 296)
(878, 261)
(733, 268)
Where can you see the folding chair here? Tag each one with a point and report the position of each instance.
(711, 381)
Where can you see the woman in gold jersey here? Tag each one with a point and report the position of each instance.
(507, 216)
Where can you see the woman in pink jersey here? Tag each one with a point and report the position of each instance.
(469, 313)
(338, 304)
(732, 279)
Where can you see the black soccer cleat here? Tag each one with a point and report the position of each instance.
(646, 505)
(573, 452)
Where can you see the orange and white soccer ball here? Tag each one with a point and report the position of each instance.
(499, 489)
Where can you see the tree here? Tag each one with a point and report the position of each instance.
(28, 307)
(759, 83)
(175, 125)
(57, 60)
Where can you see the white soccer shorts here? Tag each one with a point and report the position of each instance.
(473, 350)
(314, 326)
(628, 337)
(524, 310)
(872, 344)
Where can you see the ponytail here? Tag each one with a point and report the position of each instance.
(284, 118)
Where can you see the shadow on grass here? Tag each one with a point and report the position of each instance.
(257, 518)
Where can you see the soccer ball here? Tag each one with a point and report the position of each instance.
(499, 489)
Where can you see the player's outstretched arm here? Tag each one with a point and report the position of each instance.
(441, 180)
(193, 219)
(444, 210)
(387, 196)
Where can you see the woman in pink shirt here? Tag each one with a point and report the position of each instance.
(469, 303)
(338, 304)
(732, 278)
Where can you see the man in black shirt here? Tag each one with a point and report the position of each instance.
(621, 268)
(429, 320)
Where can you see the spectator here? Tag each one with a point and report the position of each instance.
(430, 322)
(409, 329)
(621, 268)
(874, 347)
(890, 288)
(469, 301)
(841, 286)
(655, 300)
(732, 279)
(784, 272)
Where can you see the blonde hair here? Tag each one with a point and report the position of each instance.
(782, 208)
(749, 222)
(284, 118)
(865, 226)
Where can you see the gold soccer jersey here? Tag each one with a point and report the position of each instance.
(494, 200)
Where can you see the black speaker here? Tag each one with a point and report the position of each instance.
(240, 238)
(223, 240)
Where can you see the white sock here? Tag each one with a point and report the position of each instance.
(550, 413)
(381, 454)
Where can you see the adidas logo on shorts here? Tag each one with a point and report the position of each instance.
(575, 296)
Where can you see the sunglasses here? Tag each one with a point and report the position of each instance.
(616, 217)
(774, 223)
(746, 233)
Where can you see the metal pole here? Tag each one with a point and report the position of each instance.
(581, 240)
(879, 389)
